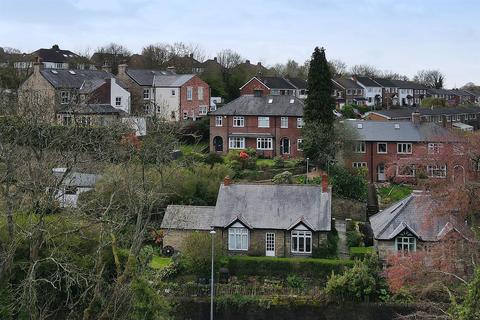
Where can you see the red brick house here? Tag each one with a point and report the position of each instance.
(404, 151)
(347, 91)
(269, 124)
(263, 86)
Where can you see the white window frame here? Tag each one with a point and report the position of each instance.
(189, 93)
(299, 144)
(238, 239)
(360, 147)
(433, 171)
(236, 142)
(264, 122)
(146, 93)
(284, 122)
(200, 93)
(218, 121)
(64, 97)
(239, 122)
(358, 165)
(434, 147)
(118, 101)
(301, 235)
(404, 148)
(378, 148)
(264, 143)
(408, 244)
(202, 110)
(300, 123)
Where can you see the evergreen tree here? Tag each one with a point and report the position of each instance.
(318, 132)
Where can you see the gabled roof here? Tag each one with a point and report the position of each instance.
(159, 78)
(347, 83)
(249, 105)
(402, 131)
(417, 213)
(55, 54)
(385, 82)
(298, 83)
(276, 82)
(73, 79)
(408, 85)
(273, 206)
(188, 217)
(76, 179)
(367, 82)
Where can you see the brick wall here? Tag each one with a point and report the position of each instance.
(252, 85)
(191, 107)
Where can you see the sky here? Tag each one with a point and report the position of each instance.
(402, 36)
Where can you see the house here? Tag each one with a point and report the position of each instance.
(53, 58)
(347, 91)
(186, 64)
(269, 124)
(409, 92)
(389, 92)
(166, 94)
(263, 86)
(258, 219)
(71, 185)
(403, 151)
(415, 224)
(463, 97)
(446, 117)
(444, 94)
(91, 97)
(372, 90)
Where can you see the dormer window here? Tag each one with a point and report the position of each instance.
(301, 239)
(238, 237)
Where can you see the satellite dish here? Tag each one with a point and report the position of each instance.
(168, 251)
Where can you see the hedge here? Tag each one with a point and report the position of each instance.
(282, 267)
(360, 252)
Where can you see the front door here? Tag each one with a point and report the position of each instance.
(285, 146)
(270, 244)
(381, 172)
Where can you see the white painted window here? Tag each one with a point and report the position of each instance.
(236, 143)
(264, 144)
(64, 97)
(189, 93)
(404, 148)
(434, 148)
(118, 101)
(263, 122)
(358, 165)
(185, 115)
(218, 121)
(406, 170)
(299, 123)
(239, 122)
(406, 244)
(359, 147)
(202, 110)
(238, 239)
(437, 171)
(301, 241)
(200, 93)
(300, 144)
(146, 94)
(284, 122)
(382, 148)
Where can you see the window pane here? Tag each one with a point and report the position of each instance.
(294, 244)
(301, 244)
(308, 246)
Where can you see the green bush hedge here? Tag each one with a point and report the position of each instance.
(283, 267)
(360, 252)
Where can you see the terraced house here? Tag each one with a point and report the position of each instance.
(347, 91)
(269, 124)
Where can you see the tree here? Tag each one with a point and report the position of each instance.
(365, 70)
(156, 55)
(338, 68)
(430, 78)
(113, 53)
(431, 102)
(228, 59)
(318, 132)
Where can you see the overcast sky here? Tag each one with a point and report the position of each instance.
(402, 36)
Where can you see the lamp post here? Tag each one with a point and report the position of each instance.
(212, 233)
(306, 178)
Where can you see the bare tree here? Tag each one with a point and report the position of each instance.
(338, 67)
(156, 55)
(430, 78)
(229, 59)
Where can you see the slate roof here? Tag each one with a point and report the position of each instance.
(298, 83)
(258, 106)
(273, 206)
(406, 131)
(55, 54)
(439, 91)
(367, 82)
(385, 82)
(172, 81)
(276, 82)
(408, 85)
(419, 213)
(61, 78)
(347, 83)
(77, 179)
(188, 217)
(145, 77)
(91, 109)
(405, 113)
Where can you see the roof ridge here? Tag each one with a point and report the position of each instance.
(397, 207)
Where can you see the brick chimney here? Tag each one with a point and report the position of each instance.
(122, 69)
(324, 183)
(259, 64)
(227, 181)
(416, 118)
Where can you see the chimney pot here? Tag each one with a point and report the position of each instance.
(324, 182)
(227, 181)
(416, 118)
(215, 59)
(247, 61)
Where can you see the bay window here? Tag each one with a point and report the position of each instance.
(406, 244)
(301, 241)
(238, 239)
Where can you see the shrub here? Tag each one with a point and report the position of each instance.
(360, 252)
(278, 162)
(212, 158)
(294, 281)
(348, 112)
(347, 184)
(329, 248)
(196, 254)
(283, 178)
(283, 267)
(354, 238)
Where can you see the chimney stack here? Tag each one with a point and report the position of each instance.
(37, 65)
(416, 118)
(215, 59)
(122, 68)
(227, 181)
(247, 61)
(324, 182)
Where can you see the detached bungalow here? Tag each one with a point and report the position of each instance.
(254, 219)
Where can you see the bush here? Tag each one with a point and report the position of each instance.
(278, 162)
(348, 184)
(294, 281)
(283, 178)
(348, 111)
(212, 158)
(328, 249)
(196, 254)
(360, 252)
(354, 238)
(284, 267)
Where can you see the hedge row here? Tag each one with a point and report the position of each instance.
(360, 252)
(282, 267)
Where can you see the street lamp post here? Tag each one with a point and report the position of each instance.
(212, 233)
(306, 178)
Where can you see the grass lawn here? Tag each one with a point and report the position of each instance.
(159, 263)
(269, 163)
(394, 193)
